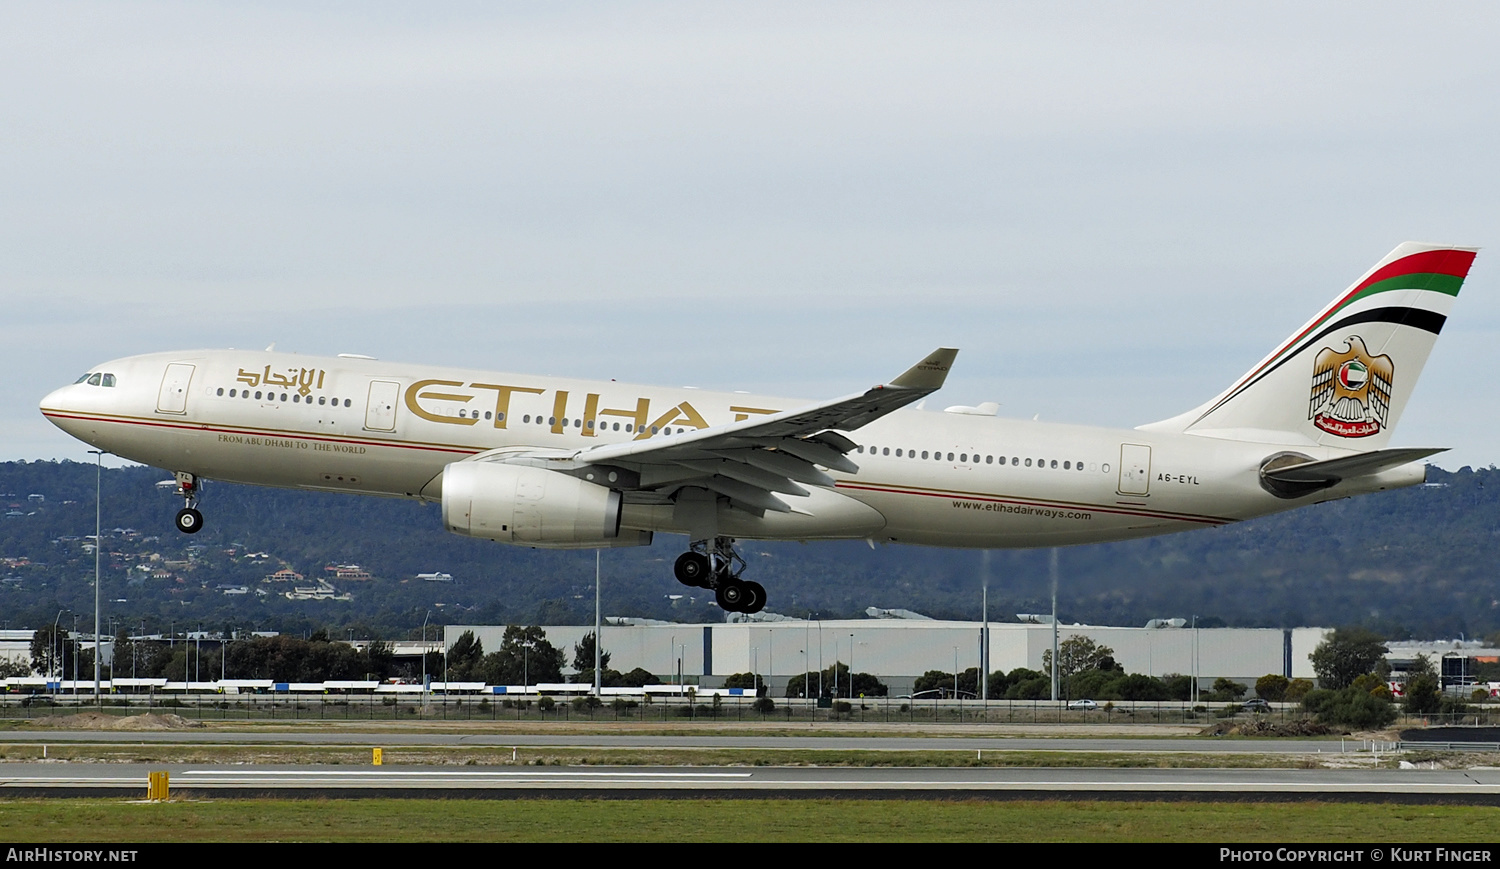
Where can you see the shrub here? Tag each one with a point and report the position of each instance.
(1226, 689)
(1272, 687)
(1350, 707)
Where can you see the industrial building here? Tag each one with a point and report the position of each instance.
(897, 651)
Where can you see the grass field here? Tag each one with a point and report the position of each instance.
(69, 821)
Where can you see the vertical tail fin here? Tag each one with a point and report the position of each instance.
(1345, 376)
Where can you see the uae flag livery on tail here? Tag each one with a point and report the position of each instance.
(1345, 376)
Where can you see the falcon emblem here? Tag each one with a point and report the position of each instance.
(1351, 391)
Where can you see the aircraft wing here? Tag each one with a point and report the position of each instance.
(1363, 464)
(751, 460)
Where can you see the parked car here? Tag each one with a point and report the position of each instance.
(1086, 705)
(1255, 704)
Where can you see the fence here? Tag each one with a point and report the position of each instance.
(546, 708)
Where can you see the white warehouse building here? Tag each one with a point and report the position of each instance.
(897, 651)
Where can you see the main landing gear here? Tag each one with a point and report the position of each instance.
(714, 564)
(189, 520)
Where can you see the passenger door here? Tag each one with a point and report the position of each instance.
(174, 388)
(1135, 470)
(380, 413)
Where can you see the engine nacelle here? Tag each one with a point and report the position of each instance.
(532, 507)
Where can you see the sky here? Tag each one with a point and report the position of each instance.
(1113, 210)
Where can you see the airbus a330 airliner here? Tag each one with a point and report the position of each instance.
(569, 464)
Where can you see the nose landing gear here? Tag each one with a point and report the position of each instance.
(715, 565)
(189, 520)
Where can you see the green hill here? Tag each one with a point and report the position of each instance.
(1416, 562)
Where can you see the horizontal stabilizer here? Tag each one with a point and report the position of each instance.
(1335, 470)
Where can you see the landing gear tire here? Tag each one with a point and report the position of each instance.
(189, 520)
(755, 597)
(692, 569)
(732, 595)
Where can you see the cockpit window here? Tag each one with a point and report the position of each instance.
(109, 380)
(94, 379)
(81, 378)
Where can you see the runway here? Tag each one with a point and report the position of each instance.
(507, 782)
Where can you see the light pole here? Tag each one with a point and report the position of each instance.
(598, 628)
(57, 646)
(820, 655)
(984, 636)
(98, 535)
(1052, 562)
(806, 658)
(1193, 694)
(851, 665)
(425, 683)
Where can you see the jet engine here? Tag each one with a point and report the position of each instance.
(532, 507)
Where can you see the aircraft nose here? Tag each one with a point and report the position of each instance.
(57, 405)
(54, 400)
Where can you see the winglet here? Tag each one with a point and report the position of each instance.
(930, 373)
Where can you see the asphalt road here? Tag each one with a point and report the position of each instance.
(332, 739)
(1406, 786)
(55, 778)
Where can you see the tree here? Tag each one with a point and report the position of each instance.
(1345, 655)
(640, 677)
(934, 680)
(861, 683)
(1028, 685)
(1297, 689)
(583, 654)
(1077, 654)
(1424, 695)
(1226, 689)
(524, 656)
(464, 657)
(57, 654)
(1272, 687)
(1139, 686)
(1179, 686)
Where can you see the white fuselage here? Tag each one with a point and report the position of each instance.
(935, 478)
